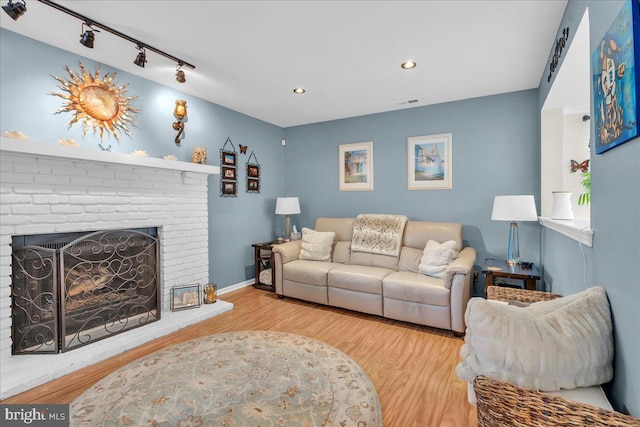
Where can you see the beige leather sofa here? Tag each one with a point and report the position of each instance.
(389, 286)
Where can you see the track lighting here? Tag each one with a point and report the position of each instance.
(180, 77)
(15, 10)
(141, 58)
(87, 36)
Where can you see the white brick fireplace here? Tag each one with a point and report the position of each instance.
(46, 188)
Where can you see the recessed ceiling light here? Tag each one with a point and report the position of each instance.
(299, 91)
(408, 65)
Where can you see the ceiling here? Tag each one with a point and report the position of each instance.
(572, 84)
(250, 55)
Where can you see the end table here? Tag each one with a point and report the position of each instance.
(263, 260)
(493, 268)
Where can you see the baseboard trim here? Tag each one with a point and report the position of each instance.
(235, 287)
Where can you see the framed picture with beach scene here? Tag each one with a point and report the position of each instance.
(184, 297)
(429, 162)
(355, 166)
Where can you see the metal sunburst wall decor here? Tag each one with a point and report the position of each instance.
(97, 103)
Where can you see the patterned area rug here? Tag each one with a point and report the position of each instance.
(234, 379)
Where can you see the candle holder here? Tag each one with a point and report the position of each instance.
(210, 293)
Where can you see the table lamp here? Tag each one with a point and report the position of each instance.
(514, 209)
(287, 206)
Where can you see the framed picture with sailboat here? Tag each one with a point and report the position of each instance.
(429, 162)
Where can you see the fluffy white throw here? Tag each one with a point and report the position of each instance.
(378, 234)
(551, 345)
(436, 257)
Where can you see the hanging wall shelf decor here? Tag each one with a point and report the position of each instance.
(228, 166)
(253, 174)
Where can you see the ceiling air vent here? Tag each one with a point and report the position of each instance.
(411, 101)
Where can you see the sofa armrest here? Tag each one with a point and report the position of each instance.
(501, 403)
(282, 254)
(288, 251)
(463, 264)
(457, 278)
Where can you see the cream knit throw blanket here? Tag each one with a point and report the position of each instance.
(564, 343)
(378, 234)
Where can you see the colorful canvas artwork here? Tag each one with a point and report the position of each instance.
(615, 80)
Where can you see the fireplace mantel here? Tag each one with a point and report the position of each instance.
(48, 188)
(40, 149)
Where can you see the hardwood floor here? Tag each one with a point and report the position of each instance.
(412, 367)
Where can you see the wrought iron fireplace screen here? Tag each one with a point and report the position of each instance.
(68, 295)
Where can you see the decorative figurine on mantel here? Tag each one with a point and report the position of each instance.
(180, 112)
(199, 155)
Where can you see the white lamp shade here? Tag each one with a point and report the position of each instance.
(514, 208)
(287, 206)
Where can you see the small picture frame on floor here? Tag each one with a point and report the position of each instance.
(185, 297)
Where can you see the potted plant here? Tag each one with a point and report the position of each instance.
(585, 197)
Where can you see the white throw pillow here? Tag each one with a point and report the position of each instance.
(564, 343)
(316, 245)
(436, 257)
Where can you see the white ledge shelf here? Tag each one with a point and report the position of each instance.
(579, 231)
(39, 149)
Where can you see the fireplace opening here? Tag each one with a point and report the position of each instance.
(71, 289)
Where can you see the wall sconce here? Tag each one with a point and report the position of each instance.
(180, 112)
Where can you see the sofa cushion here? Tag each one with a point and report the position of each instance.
(410, 259)
(358, 278)
(309, 272)
(343, 227)
(436, 257)
(418, 233)
(316, 245)
(341, 252)
(373, 260)
(563, 343)
(412, 287)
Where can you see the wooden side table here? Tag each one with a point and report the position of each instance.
(493, 268)
(263, 260)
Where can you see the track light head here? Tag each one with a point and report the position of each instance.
(15, 10)
(180, 77)
(88, 36)
(87, 39)
(141, 58)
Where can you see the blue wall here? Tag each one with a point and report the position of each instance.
(26, 66)
(614, 259)
(495, 151)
